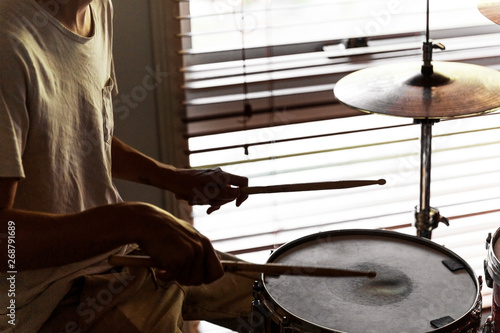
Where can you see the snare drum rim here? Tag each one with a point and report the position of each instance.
(459, 322)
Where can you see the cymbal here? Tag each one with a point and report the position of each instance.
(490, 9)
(453, 90)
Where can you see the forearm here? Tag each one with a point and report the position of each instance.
(201, 187)
(46, 240)
(130, 164)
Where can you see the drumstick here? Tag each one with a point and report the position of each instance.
(242, 266)
(309, 186)
(281, 269)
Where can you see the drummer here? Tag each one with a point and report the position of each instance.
(58, 203)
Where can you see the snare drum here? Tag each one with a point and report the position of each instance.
(420, 287)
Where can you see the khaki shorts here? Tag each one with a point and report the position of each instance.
(128, 300)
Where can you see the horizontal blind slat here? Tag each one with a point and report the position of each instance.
(222, 106)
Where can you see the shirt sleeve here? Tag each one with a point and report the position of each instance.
(14, 120)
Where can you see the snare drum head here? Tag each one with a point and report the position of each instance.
(412, 287)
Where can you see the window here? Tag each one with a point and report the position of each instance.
(258, 83)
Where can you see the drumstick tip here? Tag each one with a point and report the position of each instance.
(381, 181)
(372, 274)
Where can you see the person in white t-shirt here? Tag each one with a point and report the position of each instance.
(58, 203)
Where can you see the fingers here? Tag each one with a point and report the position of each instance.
(202, 269)
(230, 192)
(194, 261)
(241, 199)
(212, 209)
(217, 188)
(182, 253)
(212, 266)
(240, 182)
(227, 195)
(237, 180)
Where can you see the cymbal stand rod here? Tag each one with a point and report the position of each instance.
(427, 218)
(427, 29)
(427, 67)
(424, 228)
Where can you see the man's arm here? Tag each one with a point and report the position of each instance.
(130, 164)
(212, 187)
(46, 240)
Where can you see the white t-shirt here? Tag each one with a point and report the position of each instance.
(56, 126)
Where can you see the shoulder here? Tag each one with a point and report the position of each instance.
(18, 22)
(17, 13)
(20, 18)
(10, 6)
(13, 40)
(18, 44)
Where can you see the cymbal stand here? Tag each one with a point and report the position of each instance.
(426, 217)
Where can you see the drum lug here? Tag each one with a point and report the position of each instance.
(259, 311)
(258, 317)
(285, 325)
(257, 287)
(487, 277)
(288, 330)
(477, 311)
(488, 325)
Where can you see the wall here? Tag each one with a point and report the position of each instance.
(135, 107)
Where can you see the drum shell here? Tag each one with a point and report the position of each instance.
(493, 280)
(275, 318)
(493, 263)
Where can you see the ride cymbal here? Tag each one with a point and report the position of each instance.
(490, 9)
(453, 90)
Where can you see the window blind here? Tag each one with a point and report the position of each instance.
(258, 84)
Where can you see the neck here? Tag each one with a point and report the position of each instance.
(74, 15)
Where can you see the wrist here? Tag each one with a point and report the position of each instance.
(169, 178)
(138, 222)
(132, 223)
(120, 222)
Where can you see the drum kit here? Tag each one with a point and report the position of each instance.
(444, 295)
(384, 287)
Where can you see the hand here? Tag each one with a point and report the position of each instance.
(181, 253)
(212, 187)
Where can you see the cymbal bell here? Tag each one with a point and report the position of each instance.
(453, 90)
(490, 9)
